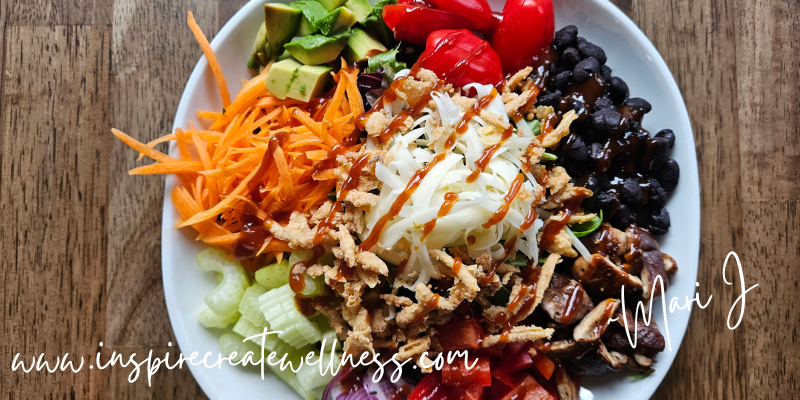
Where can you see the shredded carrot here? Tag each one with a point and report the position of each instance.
(262, 155)
(212, 60)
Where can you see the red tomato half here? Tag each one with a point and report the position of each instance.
(477, 11)
(526, 29)
(430, 388)
(414, 23)
(459, 57)
(528, 389)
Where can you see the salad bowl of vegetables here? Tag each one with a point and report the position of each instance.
(411, 179)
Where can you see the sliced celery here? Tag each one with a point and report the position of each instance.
(281, 313)
(225, 299)
(297, 256)
(287, 375)
(329, 337)
(274, 275)
(210, 319)
(249, 307)
(231, 342)
(310, 376)
(313, 286)
(247, 329)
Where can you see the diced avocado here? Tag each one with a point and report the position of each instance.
(344, 19)
(331, 5)
(360, 46)
(259, 56)
(318, 49)
(313, 13)
(282, 23)
(361, 8)
(289, 78)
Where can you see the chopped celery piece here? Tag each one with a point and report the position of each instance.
(225, 299)
(231, 342)
(287, 375)
(297, 256)
(329, 337)
(281, 313)
(247, 329)
(313, 286)
(310, 376)
(249, 307)
(210, 319)
(274, 275)
(536, 127)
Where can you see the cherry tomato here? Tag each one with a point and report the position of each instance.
(413, 22)
(457, 373)
(526, 29)
(463, 334)
(459, 57)
(430, 388)
(477, 11)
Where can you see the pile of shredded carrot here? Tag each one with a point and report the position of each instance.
(260, 154)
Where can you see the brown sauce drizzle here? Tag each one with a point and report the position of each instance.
(433, 302)
(530, 218)
(609, 309)
(509, 247)
(509, 197)
(573, 304)
(409, 190)
(471, 240)
(457, 264)
(552, 228)
(450, 199)
(353, 177)
(479, 105)
(488, 153)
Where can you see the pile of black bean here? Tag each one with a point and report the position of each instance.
(608, 151)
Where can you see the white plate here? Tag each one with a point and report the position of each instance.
(632, 57)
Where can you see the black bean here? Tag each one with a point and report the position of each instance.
(668, 175)
(606, 121)
(591, 184)
(659, 222)
(580, 40)
(604, 103)
(578, 150)
(584, 69)
(656, 152)
(642, 215)
(570, 57)
(605, 72)
(565, 36)
(618, 89)
(609, 203)
(596, 150)
(657, 194)
(562, 80)
(603, 183)
(588, 49)
(551, 99)
(669, 135)
(640, 103)
(622, 219)
(631, 192)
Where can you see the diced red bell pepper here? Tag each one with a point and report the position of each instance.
(544, 365)
(528, 389)
(459, 57)
(431, 388)
(479, 12)
(414, 23)
(467, 393)
(457, 373)
(526, 29)
(462, 334)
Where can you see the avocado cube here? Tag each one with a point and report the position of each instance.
(361, 8)
(289, 78)
(318, 49)
(259, 56)
(282, 23)
(361, 46)
(313, 13)
(331, 5)
(344, 19)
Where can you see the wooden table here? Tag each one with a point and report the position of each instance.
(80, 245)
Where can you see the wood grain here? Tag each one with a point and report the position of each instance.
(81, 243)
